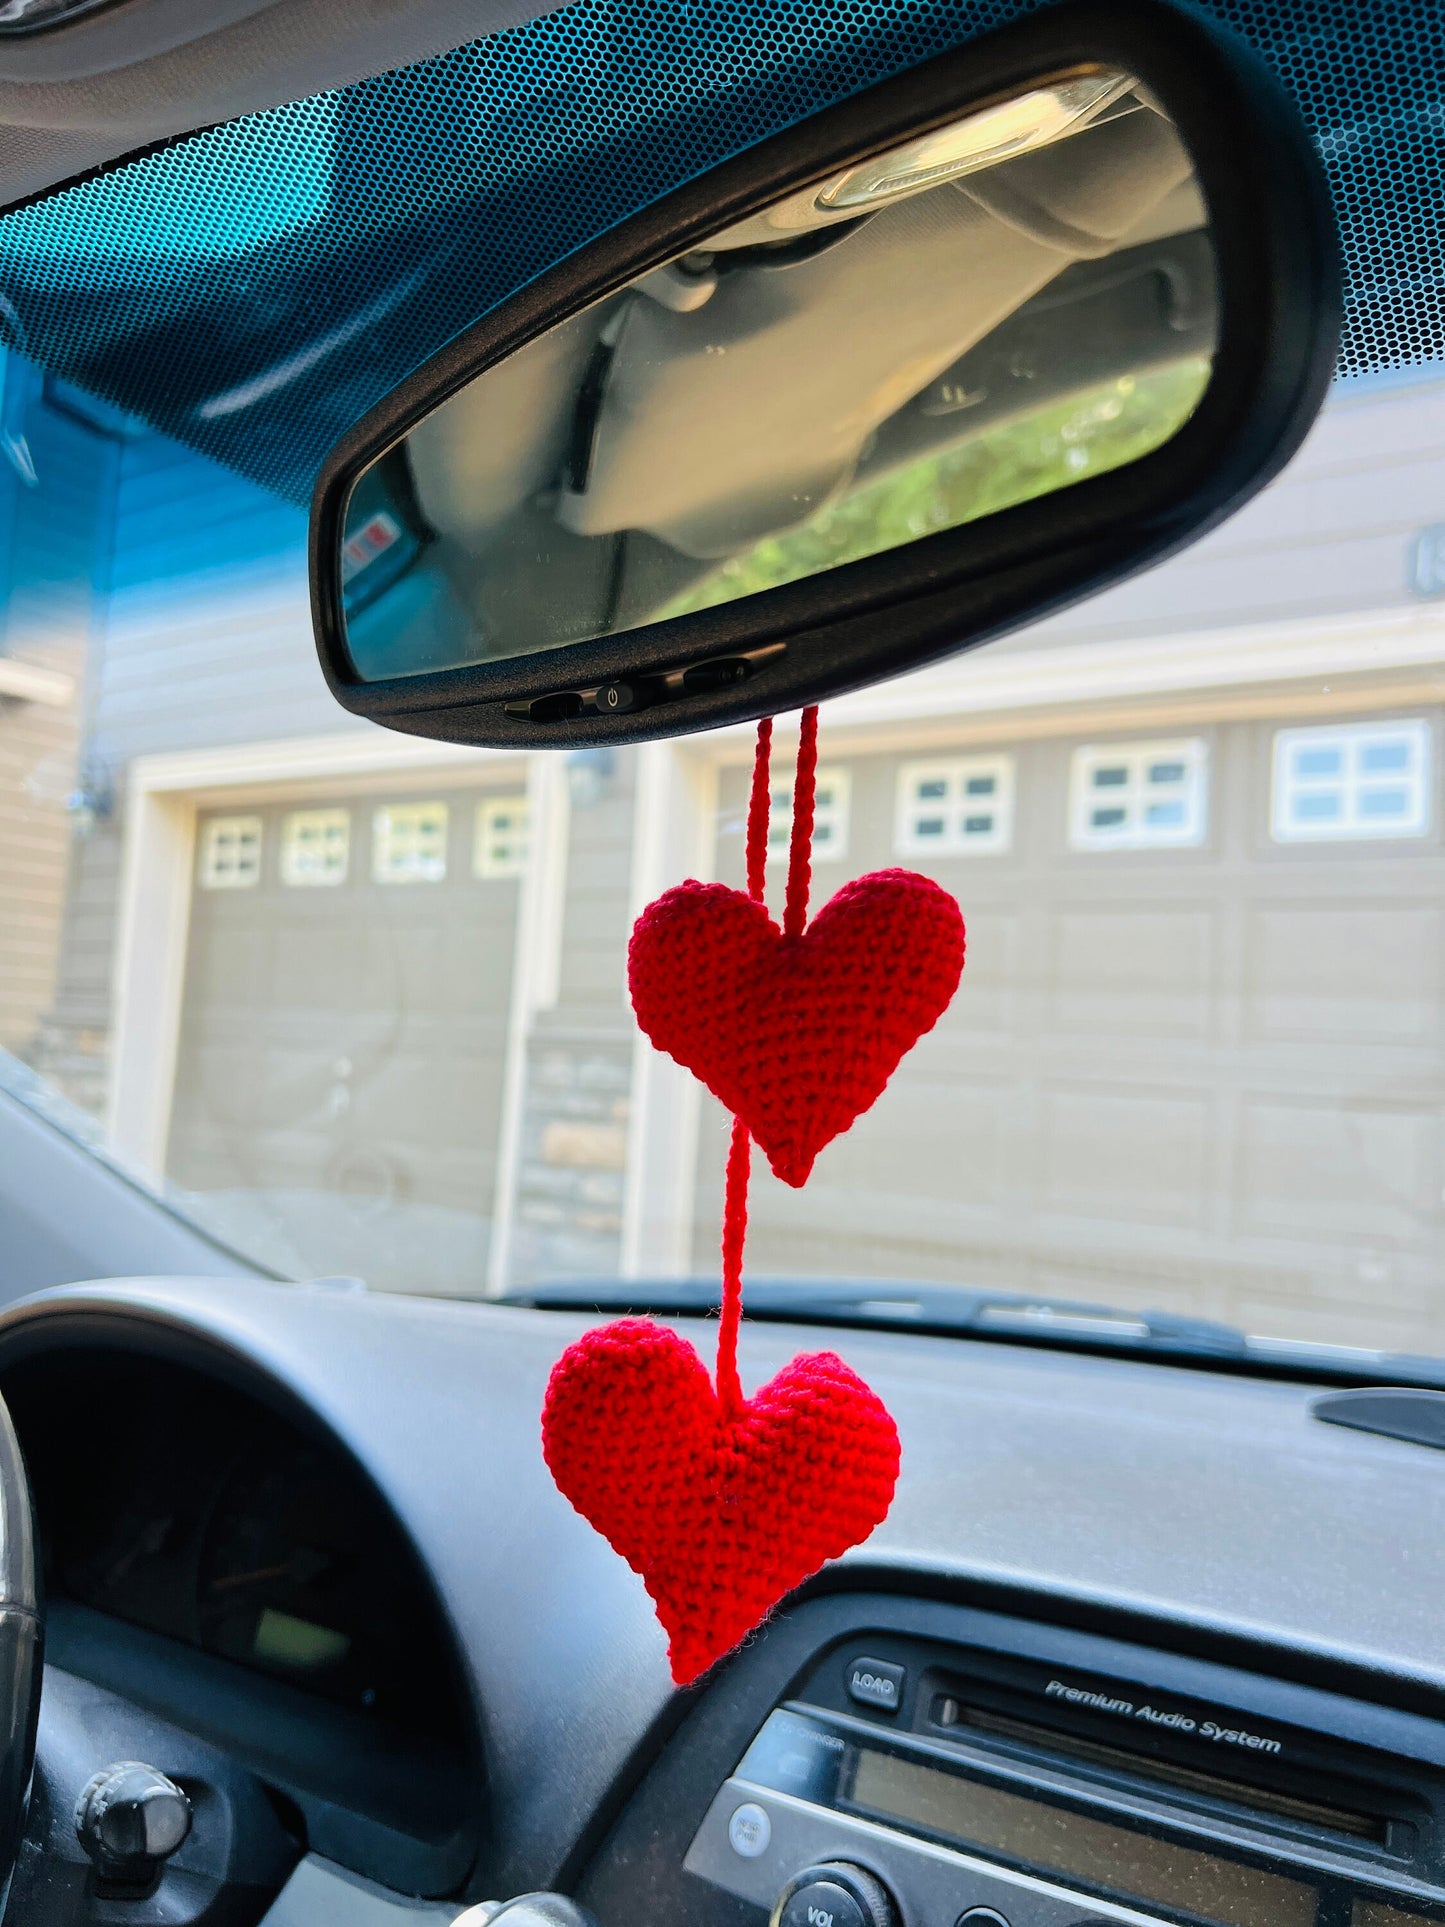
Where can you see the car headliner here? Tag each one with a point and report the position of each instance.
(252, 290)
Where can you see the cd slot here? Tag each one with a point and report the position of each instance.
(956, 1716)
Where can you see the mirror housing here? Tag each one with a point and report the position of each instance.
(1277, 294)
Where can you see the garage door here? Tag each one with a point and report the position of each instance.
(1197, 1058)
(340, 1071)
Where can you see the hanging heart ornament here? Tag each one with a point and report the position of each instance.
(797, 1036)
(721, 1513)
(724, 1503)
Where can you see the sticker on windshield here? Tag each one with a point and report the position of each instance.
(371, 541)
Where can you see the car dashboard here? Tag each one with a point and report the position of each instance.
(1137, 1643)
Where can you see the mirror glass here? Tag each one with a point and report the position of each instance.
(987, 313)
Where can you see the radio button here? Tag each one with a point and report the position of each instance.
(821, 1904)
(873, 1682)
(834, 1894)
(750, 1830)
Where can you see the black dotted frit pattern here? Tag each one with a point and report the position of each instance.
(254, 289)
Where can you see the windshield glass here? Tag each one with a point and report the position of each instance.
(356, 1000)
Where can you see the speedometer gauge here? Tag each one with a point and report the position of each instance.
(278, 1572)
(297, 1576)
(254, 1540)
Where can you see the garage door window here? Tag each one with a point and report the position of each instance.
(315, 847)
(231, 853)
(830, 822)
(1364, 781)
(409, 843)
(963, 807)
(503, 834)
(1139, 796)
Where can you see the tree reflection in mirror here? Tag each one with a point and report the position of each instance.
(988, 313)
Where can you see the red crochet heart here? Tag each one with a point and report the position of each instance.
(796, 1035)
(720, 1515)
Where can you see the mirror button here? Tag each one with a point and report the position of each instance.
(617, 698)
(736, 669)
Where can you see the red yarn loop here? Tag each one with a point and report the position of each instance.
(759, 804)
(734, 1236)
(800, 844)
(739, 1165)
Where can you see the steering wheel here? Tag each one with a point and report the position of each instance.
(20, 1645)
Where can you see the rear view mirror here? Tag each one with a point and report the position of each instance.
(953, 353)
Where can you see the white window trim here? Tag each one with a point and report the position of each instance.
(1134, 833)
(485, 861)
(381, 829)
(955, 772)
(297, 878)
(1351, 739)
(211, 878)
(839, 778)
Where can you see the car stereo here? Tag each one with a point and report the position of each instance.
(914, 1785)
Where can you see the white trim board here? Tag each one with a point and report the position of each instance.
(536, 978)
(674, 836)
(150, 969)
(308, 758)
(27, 682)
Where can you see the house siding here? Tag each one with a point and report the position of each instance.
(54, 536)
(202, 638)
(207, 637)
(1328, 538)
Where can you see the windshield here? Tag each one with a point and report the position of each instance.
(356, 1001)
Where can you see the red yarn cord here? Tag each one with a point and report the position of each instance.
(734, 1235)
(740, 1149)
(758, 805)
(800, 849)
